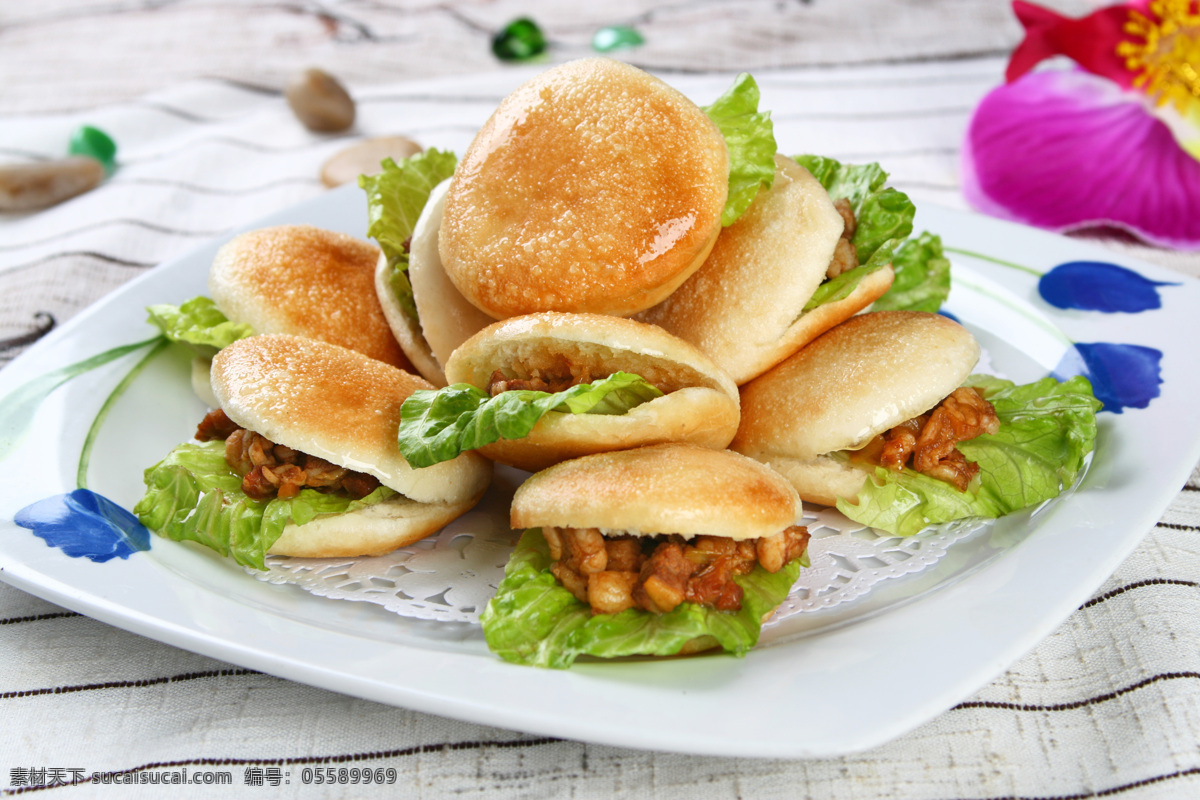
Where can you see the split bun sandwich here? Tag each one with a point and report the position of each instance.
(300, 459)
(594, 187)
(660, 550)
(534, 390)
(882, 417)
(305, 281)
(745, 306)
(818, 417)
(292, 279)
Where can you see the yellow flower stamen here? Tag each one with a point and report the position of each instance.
(1165, 54)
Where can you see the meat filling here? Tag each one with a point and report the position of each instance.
(928, 441)
(562, 376)
(658, 573)
(845, 255)
(274, 470)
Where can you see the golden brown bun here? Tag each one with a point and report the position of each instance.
(701, 405)
(856, 381)
(665, 489)
(336, 404)
(305, 281)
(744, 307)
(370, 531)
(593, 187)
(819, 480)
(444, 317)
(761, 272)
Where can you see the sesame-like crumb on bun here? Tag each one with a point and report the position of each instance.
(339, 405)
(371, 531)
(744, 307)
(854, 382)
(700, 404)
(593, 187)
(665, 489)
(305, 281)
(821, 480)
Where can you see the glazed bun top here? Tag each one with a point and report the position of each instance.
(665, 489)
(305, 281)
(551, 342)
(336, 404)
(854, 382)
(593, 187)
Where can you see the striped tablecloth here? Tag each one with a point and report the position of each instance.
(1109, 705)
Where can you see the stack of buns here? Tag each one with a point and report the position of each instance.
(579, 236)
(594, 193)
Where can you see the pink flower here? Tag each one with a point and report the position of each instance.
(1103, 144)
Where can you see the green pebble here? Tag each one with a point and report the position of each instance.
(615, 37)
(519, 40)
(93, 142)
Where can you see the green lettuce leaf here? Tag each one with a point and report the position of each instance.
(883, 213)
(922, 280)
(395, 199)
(438, 425)
(884, 216)
(1047, 429)
(193, 495)
(842, 285)
(750, 139)
(533, 620)
(199, 323)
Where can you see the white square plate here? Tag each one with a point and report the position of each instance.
(833, 682)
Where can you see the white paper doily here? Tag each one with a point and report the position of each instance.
(849, 558)
(452, 576)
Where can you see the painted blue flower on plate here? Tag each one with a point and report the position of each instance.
(1122, 375)
(84, 524)
(1099, 286)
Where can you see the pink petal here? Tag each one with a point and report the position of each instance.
(1065, 150)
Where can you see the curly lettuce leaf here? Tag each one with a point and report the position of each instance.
(884, 216)
(193, 495)
(438, 425)
(533, 620)
(1047, 429)
(750, 139)
(922, 280)
(395, 198)
(883, 213)
(842, 285)
(199, 323)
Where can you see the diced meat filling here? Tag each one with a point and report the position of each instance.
(658, 573)
(563, 375)
(845, 255)
(538, 382)
(929, 440)
(275, 470)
